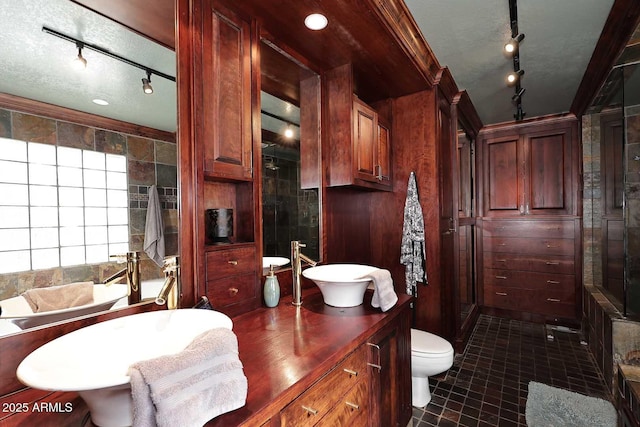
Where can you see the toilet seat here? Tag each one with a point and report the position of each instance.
(425, 344)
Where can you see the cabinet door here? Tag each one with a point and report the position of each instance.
(226, 65)
(503, 177)
(365, 124)
(383, 159)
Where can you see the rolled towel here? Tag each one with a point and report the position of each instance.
(191, 387)
(384, 295)
(59, 297)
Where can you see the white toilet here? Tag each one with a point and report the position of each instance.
(430, 355)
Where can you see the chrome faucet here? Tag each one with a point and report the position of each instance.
(297, 258)
(132, 273)
(170, 290)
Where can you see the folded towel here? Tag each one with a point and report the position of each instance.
(384, 296)
(154, 229)
(191, 387)
(412, 250)
(59, 297)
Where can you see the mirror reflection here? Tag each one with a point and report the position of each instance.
(77, 173)
(289, 150)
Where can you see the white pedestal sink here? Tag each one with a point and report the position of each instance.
(94, 361)
(341, 285)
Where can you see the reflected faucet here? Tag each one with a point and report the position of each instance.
(297, 258)
(171, 288)
(132, 273)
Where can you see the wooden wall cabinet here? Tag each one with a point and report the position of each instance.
(359, 146)
(530, 170)
(226, 102)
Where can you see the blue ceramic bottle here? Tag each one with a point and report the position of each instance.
(271, 289)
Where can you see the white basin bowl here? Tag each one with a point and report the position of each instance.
(18, 311)
(94, 360)
(341, 285)
(276, 261)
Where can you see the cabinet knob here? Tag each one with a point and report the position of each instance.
(233, 262)
(233, 292)
(352, 405)
(351, 372)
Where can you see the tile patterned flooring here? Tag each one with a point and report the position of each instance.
(487, 385)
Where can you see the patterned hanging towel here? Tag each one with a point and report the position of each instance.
(412, 251)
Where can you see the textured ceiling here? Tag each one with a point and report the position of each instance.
(468, 36)
(36, 65)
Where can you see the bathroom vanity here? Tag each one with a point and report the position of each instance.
(323, 365)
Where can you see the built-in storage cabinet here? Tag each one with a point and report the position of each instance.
(529, 170)
(227, 271)
(226, 101)
(359, 147)
(530, 266)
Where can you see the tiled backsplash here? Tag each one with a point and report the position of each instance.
(149, 162)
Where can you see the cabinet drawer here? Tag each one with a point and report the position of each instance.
(231, 290)
(528, 280)
(315, 403)
(541, 263)
(523, 245)
(532, 228)
(351, 410)
(553, 302)
(502, 297)
(230, 262)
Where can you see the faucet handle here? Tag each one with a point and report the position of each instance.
(120, 258)
(171, 263)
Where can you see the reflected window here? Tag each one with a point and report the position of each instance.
(60, 206)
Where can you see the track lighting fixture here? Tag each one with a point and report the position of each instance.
(82, 63)
(518, 96)
(513, 78)
(146, 84)
(514, 44)
(79, 62)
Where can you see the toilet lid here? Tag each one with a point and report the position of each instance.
(424, 342)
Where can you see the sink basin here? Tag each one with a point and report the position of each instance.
(341, 285)
(93, 361)
(18, 311)
(276, 261)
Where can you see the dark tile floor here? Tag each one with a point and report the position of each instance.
(487, 385)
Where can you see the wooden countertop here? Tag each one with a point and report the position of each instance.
(286, 349)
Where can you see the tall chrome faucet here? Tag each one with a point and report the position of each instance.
(170, 291)
(131, 271)
(297, 258)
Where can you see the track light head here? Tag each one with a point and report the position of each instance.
(146, 84)
(513, 44)
(518, 96)
(79, 62)
(513, 78)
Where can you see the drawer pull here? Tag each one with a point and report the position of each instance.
(501, 277)
(310, 410)
(378, 365)
(501, 260)
(351, 372)
(551, 246)
(553, 263)
(553, 300)
(233, 292)
(553, 282)
(233, 262)
(502, 244)
(352, 405)
(503, 294)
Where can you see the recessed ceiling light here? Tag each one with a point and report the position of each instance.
(100, 101)
(316, 21)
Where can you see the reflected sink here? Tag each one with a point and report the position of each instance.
(18, 311)
(341, 285)
(94, 360)
(276, 261)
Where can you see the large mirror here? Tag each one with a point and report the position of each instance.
(290, 154)
(82, 151)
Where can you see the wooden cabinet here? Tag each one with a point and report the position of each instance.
(371, 145)
(226, 101)
(530, 266)
(359, 143)
(530, 170)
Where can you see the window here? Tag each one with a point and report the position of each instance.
(60, 206)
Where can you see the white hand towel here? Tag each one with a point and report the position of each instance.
(412, 251)
(154, 229)
(189, 388)
(384, 296)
